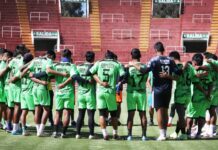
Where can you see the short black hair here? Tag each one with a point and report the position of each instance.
(2, 50)
(27, 58)
(175, 55)
(66, 53)
(109, 54)
(198, 58)
(207, 55)
(90, 56)
(51, 53)
(214, 57)
(20, 50)
(159, 47)
(9, 53)
(136, 54)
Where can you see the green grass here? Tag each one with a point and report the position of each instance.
(9, 142)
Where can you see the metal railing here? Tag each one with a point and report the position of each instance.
(196, 18)
(193, 2)
(3, 44)
(11, 30)
(130, 1)
(39, 15)
(121, 34)
(156, 33)
(112, 17)
(38, 1)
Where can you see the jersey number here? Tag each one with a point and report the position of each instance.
(165, 69)
(106, 75)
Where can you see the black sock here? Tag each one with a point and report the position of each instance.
(65, 130)
(55, 129)
(183, 130)
(80, 120)
(91, 121)
(177, 128)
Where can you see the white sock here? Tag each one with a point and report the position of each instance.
(15, 126)
(214, 128)
(114, 132)
(104, 132)
(37, 128)
(41, 128)
(207, 128)
(162, 132)
(170, 120)
(211, 129)
(207, 117)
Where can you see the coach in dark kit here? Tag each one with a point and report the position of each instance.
(162, 68)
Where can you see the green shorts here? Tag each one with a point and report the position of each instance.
(41, 97)
(64, 102)
(2, 96)
(27, 101)
(214, 100)
(136, 100)
(15, 94)
(196, 109)
(106, 101)
(9, 100)
(87, 101)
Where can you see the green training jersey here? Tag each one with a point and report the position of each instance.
(203, 82)
(15, 65)
(2, 79)
(136, 80)
(39, 65)
(215, 75)
(108, 70)
(183, 82)
(26, 82)
(88, 87)
(68, 68)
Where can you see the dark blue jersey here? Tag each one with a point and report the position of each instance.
(160, 64)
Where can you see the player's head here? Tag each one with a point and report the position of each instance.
(189, 62)
(20, 50)
(51, 54)
(66, 55)
(175, 55)
(7, 55)
(159, 47)
(109, 54)
(214, 57)
(2, 51)
(27, 58)
(115, 56)
(90, 56)
(136, 54)
(197, 59)
(207, 55)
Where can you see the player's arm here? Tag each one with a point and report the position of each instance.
(203, 74)
(141, 69)
(3, 71)
(105, 84)
(62, 85)
(6, 69)
(79, 79)
(49, 70)
(39, 81)
(24, 72)
(148, 82)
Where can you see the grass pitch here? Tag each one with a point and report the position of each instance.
(9, 142)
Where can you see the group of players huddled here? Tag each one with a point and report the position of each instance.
(25, 82)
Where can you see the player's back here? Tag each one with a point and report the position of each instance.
(136, 80)
(108, 71)
(158, 65)
(83, 69)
